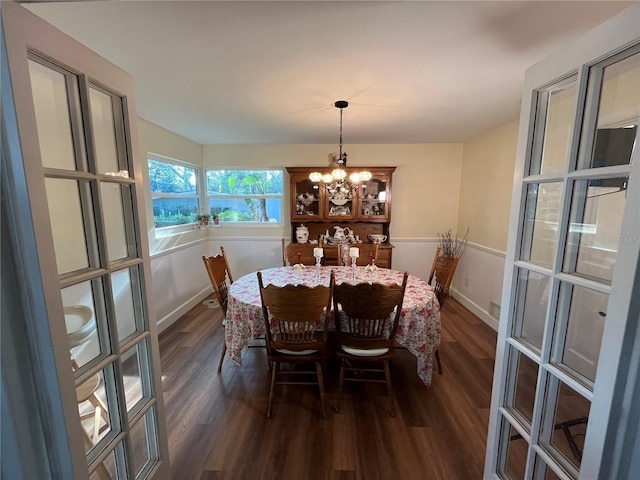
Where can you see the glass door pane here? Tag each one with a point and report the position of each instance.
(54, 93)
(104, 131)
(579, 326)
(565, 425)
(94, 408)
(557, 107)
(516, 454)
(119, 240)
(524, 373)
(532, 293)
(618, 114)
(373, 197)
(594, 231)
(307, 198)
(85, 321)
(541, 222)
(71, 241)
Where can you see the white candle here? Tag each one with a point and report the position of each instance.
(318, 252)
(354, 252)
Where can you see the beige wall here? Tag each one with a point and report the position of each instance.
(157, 140)
(426, 183)
(435, 186)
(487, 182)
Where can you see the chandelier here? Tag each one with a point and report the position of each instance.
(336, 182)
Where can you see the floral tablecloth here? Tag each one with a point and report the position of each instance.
(418, 331)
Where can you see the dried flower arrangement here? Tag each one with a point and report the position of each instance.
(451, 245)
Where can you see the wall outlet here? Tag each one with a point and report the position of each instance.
(466, 282)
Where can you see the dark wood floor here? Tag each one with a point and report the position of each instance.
(218, 429)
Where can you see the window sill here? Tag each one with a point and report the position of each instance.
(165, 232)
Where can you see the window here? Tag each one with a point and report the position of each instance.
(174, 192)
(234, 196)
(245, 195)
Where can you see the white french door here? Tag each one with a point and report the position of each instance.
(566, 337)
(74, 188)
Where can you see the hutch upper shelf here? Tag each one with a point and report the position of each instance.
(370, 201)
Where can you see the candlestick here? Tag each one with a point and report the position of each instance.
(354, 252)
(318, 252)
(353, 268)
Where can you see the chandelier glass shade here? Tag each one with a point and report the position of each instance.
(336, 181)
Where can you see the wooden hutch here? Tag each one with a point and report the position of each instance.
(366, 210)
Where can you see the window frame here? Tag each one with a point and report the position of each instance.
(204, 198)
(198, 195)
(248, 224)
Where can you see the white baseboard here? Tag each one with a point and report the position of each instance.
(179, 311)
(475, 309)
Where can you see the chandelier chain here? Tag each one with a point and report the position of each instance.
(340, 157)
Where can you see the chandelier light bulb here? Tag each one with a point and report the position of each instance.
(339, 174)
(327, 178)
(365, 176)
(315, 177)
(354, 178)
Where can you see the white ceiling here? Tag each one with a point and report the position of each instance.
(270, 72)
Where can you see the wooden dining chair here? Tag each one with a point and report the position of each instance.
(440, 280)
(366, 253)
(220, 277)
(366, 319)
(298, 253)
(296, 323)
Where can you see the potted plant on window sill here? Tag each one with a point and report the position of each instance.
(215, 215)
(203, 219)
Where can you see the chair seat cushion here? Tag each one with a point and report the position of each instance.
(293, 352)
(365, 352)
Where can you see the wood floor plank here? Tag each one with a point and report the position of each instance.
(218, 428)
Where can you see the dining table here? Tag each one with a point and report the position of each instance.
(418, 328)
